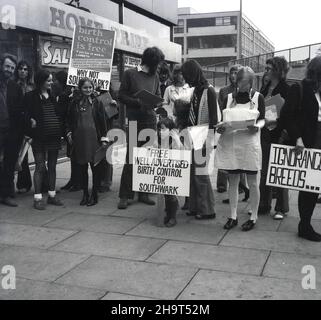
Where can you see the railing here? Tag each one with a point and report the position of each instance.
(297, 57)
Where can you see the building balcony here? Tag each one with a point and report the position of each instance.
(213, 52)
(210, 31)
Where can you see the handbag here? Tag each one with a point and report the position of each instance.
(23, 151)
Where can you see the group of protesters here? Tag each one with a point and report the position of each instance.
(46, 110)
(42, 112)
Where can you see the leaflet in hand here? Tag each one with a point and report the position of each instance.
(271, 113)
(198, 135)
(237, 125)
(276, 102)
(148, 98)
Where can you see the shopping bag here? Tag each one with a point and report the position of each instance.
(23, 151)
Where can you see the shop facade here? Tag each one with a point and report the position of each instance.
(44, 30)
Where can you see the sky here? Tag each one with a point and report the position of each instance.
(287, 23)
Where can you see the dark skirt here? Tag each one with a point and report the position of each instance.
(242, 172)
(52, 144)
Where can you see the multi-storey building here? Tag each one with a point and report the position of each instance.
(212, 38)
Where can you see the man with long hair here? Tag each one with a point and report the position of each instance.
(134, 80)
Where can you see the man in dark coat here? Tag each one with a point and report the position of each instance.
(11, 127)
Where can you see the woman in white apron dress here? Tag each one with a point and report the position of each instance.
(239, 151)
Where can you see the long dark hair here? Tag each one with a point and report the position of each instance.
(41, 77)
(23, 63)
(193, 74)
(313, 73)
(151, 58)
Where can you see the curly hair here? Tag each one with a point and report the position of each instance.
(23, 63)
(280, 66)
(151, 58)
(313, 73)
(9, 56)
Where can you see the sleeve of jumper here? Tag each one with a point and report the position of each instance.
(261, 107)
(124, 95)
(212, 107)
(221, 99)
(293, 113)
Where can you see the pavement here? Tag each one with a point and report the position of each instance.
(104, 253)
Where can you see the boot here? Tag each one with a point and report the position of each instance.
(144, 198)
(186, 204)
(167, 210)
(307, 232)
(67, 186)
(123, 204)
(93, 200)
(85, 198)
(172, 210)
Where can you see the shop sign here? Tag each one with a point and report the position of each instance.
(58, 19)
(54, 53)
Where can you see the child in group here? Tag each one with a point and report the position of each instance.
(168, 139)
(239, 151)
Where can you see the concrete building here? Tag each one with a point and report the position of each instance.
(212, 38)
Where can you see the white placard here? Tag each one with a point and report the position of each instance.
(162, 171)
(302, 172)
(91, 56)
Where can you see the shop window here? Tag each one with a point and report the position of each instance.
(209, 42)
(201, 22)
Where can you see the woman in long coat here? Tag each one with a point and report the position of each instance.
(87, 132)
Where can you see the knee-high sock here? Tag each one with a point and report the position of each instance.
(254, 186)
(234, 180)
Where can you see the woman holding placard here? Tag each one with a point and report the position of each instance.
(239, 147)
(304, 101)
(203, 111)
(87, 133)
(275, 91)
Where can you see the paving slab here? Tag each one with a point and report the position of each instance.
(201, 256)
(274, 241)
(120, 296)
(38, 290)
(29, 217)
(85, 222)
(290, 224)
(104, 207)
(289, 266)
(264, 223)
(212, 285)
(129, 277)
(210, 234)
(135, 210)
(37, 264)
(100, 244)
(30, 236)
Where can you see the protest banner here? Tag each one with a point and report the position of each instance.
(297, 172)
(91, 56)
(162, 171)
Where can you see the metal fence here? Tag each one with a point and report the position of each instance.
(297, 57)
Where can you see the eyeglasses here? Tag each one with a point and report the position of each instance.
(268, 69)
(23, 69)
